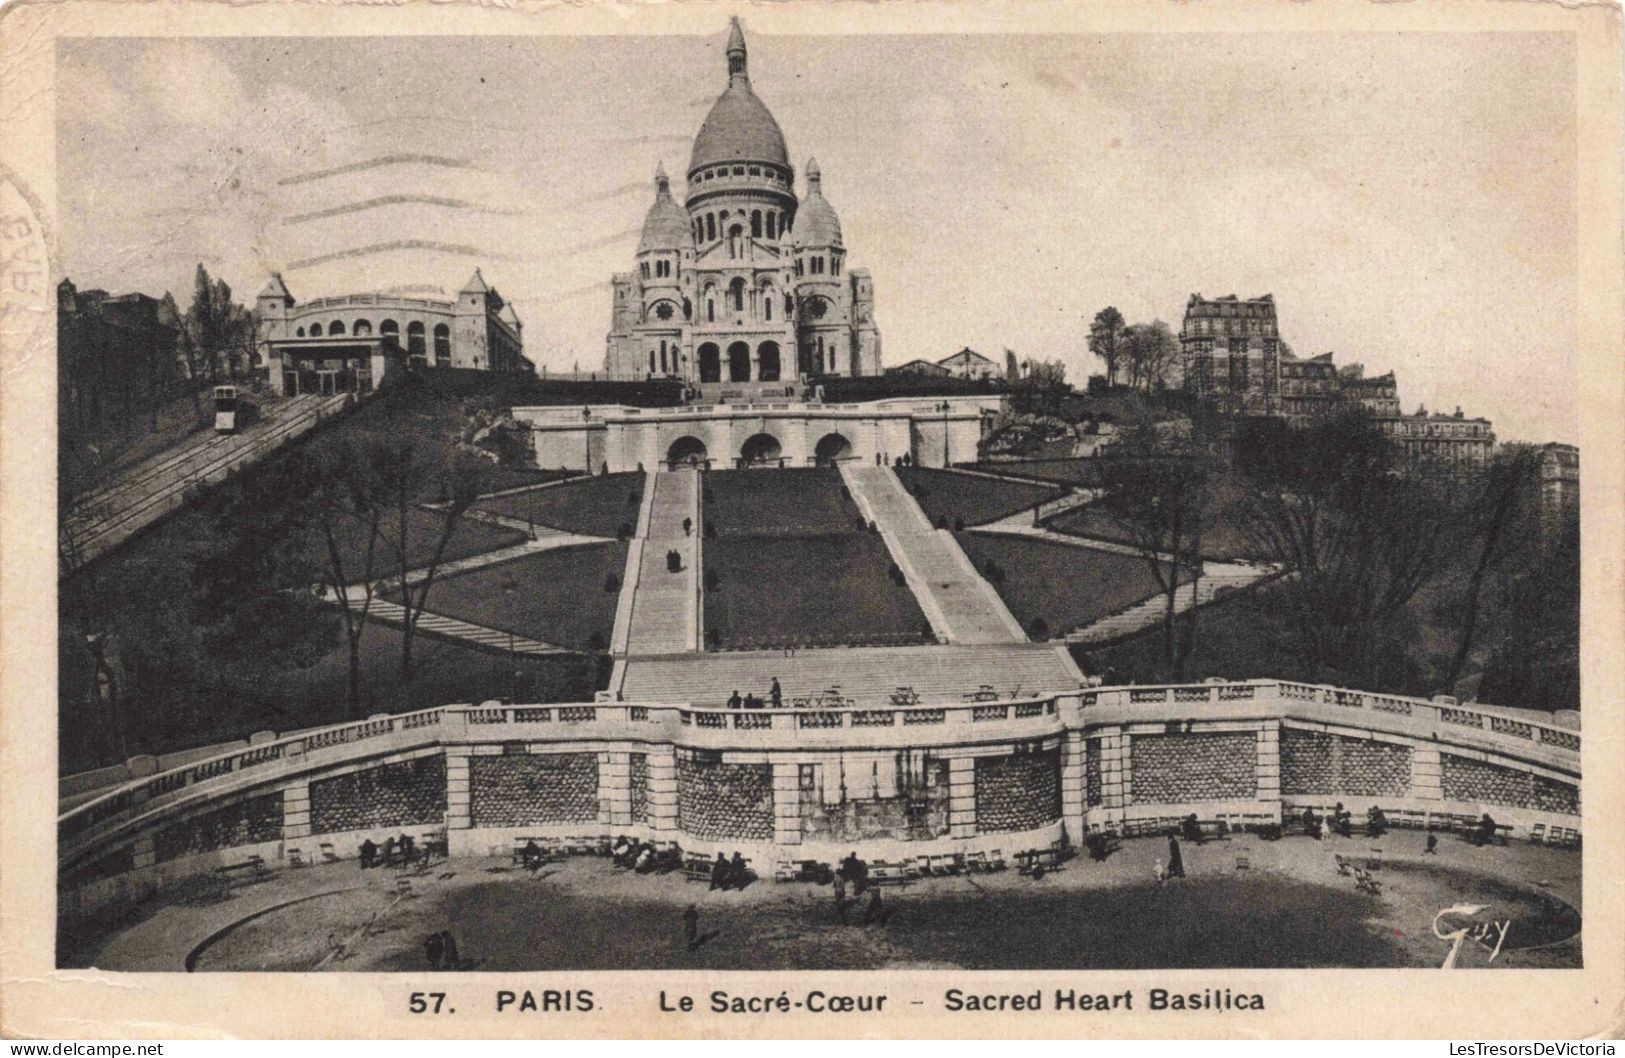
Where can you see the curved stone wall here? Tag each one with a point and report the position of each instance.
(943, 777)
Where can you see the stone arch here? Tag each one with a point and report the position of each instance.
(767, 361)
(687, 450)
(739, 362)
(761, 448)
(442, 345)
(362, 328)
(710, 362)
(315, 330)
(831, 449)
(389, 327)
(335, 328)
(415, 346)
(736, 294)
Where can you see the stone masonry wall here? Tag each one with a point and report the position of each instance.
(724, 801)
(243, 823)
(1178, 768)
(1465, 779)
(526, 789)
(1313, 762)
(391, 795)
(639, 782)
(1018, 792)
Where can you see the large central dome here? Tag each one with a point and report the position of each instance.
(739, 127)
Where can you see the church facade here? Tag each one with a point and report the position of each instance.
(744, 281)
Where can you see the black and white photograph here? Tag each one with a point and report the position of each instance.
(751, 490)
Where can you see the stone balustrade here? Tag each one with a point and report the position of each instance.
(959, 775)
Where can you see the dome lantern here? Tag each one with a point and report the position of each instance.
(665, 227)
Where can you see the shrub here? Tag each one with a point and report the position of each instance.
(612, 583)
(598, 641)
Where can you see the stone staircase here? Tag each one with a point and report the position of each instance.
(941, 673)
(961, 606)
(664, 616)
(1149, 612)
(381, 609)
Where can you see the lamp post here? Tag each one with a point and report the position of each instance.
(509, 587)
(944, 408)
(586, 440)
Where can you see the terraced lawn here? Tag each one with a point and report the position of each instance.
(807, 591)
(949, 496)
(555, 596)
(598, 506)
(779, 503)
(1066, 587)
(1081, 472)
(1222, 539)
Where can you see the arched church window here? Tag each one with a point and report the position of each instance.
(755, 170)
(818, 266)
(336, 328)
(739, 170)
(835, 266)
(442, 345)
(736, 291)
(710, 227)
(798, 266)
(767, 303)
(756, 223)
(643, 266)
(772, 225)
(389, 327)
(315, 330)
(651, 361)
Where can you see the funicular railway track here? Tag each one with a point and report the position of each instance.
(116, 512)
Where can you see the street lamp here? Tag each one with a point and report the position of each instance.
(586, 440)
(944, 408)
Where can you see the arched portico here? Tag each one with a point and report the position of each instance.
(710, 362)
(687, 450)
(739, 362)
(762, 448)
(767, 361)
(831, 449)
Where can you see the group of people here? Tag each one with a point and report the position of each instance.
(441, 949)
(643, 857)
(674, 561)
(730, 873)
(1176, 861)
(400, 851)
(775, 698)
(855, 872)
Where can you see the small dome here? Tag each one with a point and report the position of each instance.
(666, 226)
(816, 223)
(739, 127)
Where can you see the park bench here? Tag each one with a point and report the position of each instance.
(1564, 837)
(1244, 862)
(243, 872)
(985, 862)
(1367, 882)
(905, 696)
(811, 871)
(328, 854)
(939, 866)
(1032, 861)
(548, 852)
(296, 859)
(1102, 843)
(882, 873)
(697, 870)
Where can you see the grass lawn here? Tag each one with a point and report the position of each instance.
(812, 502)
(1062, 471)
(282, 697)
(1067, 587)
(468, 538)
(953, 496)
(598, 506)
(556, 596)
(1221, 539)
(811, 590)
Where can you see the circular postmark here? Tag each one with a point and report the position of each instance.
(25, 270)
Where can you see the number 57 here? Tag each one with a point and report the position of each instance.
(420, 1002)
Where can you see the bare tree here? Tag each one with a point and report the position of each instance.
(1500, 525)
(348, 505)
(1356, 532)
(1158, 495)
(1150, 351)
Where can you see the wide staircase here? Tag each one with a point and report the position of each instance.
(665, 617)
(960, 605)
(870, 676)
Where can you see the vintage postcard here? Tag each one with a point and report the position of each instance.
(811, 519)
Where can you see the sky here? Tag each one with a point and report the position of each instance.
(1408, 199)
